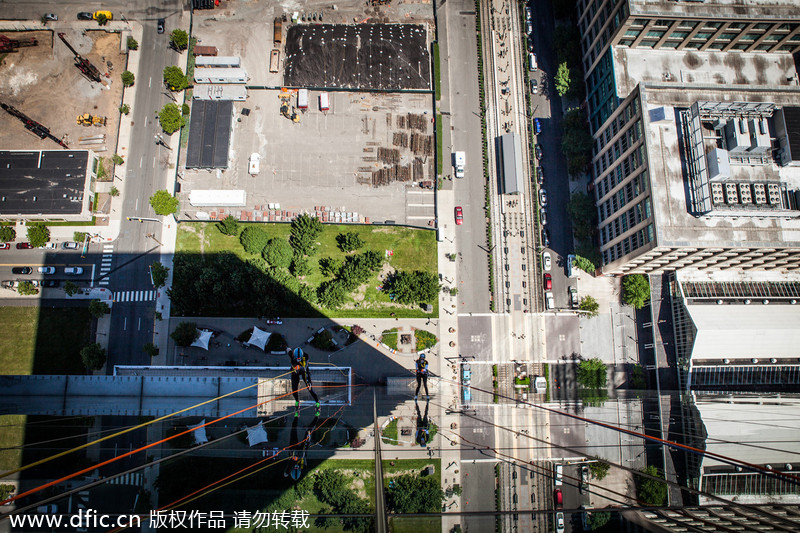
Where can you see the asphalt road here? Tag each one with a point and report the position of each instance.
(547, 107)
(473, 270)
(146, 172)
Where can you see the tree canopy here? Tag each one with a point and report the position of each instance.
(70, 288)
(170, 118)
(159, 273)
(590, 305)
(175, 79)
(583, 213)
(305, 230)
(38, 235)
(414, 287)
(127, 78)
(185, 334)
(179, 39)
(278, 253)
(599, 469)
(98, 309)
(349, 241)
(576, 144)
(26, 288)
(414, 494)
(635, 290)
(592, 373)
(254, 239)
(93, 356)
(650, 491)
(164, 203)
(229, 226)
(562, 79)
(584, 264)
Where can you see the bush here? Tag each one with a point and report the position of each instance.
(164, 203)
(117, 159)
(133, 44)
(583, 214)
(425, 339)
(185, 109)
(592, 374)
(254, 239)
(6, 489)
(638, 380)
(7, 233)
(159, 273)
(562, 79)
(650, 491)
(636, 290)
(98, 309)
(414, 494)
(229, 226)
(576, 143)
(38, 235)
(598, 519)
(79, 236)
(93, 356)
(127, 78)
(113, 191)
(175, 80)
(276, 343)
(349, 241)
(185, 334)
(331, 294)
(101, 19)
(278, 253)
(170, 118)
(124, 109)
(26, 288)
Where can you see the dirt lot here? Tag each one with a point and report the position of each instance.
(42, 82)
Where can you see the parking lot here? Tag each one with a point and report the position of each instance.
(362, 160)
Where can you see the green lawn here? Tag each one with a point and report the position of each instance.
(415, 524)
(12, 434)
(37, 340)
(412, 249)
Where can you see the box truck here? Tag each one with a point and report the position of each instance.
(459, 161)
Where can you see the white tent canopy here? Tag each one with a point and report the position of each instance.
(202, 339)
(199, 432)
(256, 435)
(259, 338)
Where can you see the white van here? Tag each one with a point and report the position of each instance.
(75, 271)
(549, 301)
(559, 473)
(532, 66)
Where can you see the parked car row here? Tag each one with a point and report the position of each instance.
(14, 283)
(24, 271)
(48, 246)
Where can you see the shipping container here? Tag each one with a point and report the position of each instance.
(220, 75)
(274, 60)
(205, 50)
(324, 104)
(218, 61)
(302, 99)
(278, 31)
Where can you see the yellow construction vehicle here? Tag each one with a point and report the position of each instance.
(285, 97)
(91, 120)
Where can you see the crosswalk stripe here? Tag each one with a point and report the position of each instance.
(135, 296)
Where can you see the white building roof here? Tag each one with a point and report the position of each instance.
(741, 331)
(218, 198)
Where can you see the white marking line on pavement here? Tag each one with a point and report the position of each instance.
(125, 323)
(93, 267)
(423, 217)
(150, 82)
(137, 205)
(420, 205)
(140, 161)
(139, 327)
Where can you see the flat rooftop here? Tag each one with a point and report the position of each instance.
(43, 182)
(713, 9)
(686, 76)
(674, 224)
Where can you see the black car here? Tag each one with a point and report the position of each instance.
(545, 237)
(21, 270)
(84, 15)
(51, 283)
(539, 151)
(160, 25)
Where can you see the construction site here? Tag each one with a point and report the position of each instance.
(344, 155)
(64, 90)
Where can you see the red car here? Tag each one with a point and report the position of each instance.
(23, 245)
(4, 246)
(558, 498)
(459, 216)
(548, 282)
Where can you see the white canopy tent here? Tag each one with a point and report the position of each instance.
(259, 338)
(256, 435)
(199, 433)
(202, 339)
